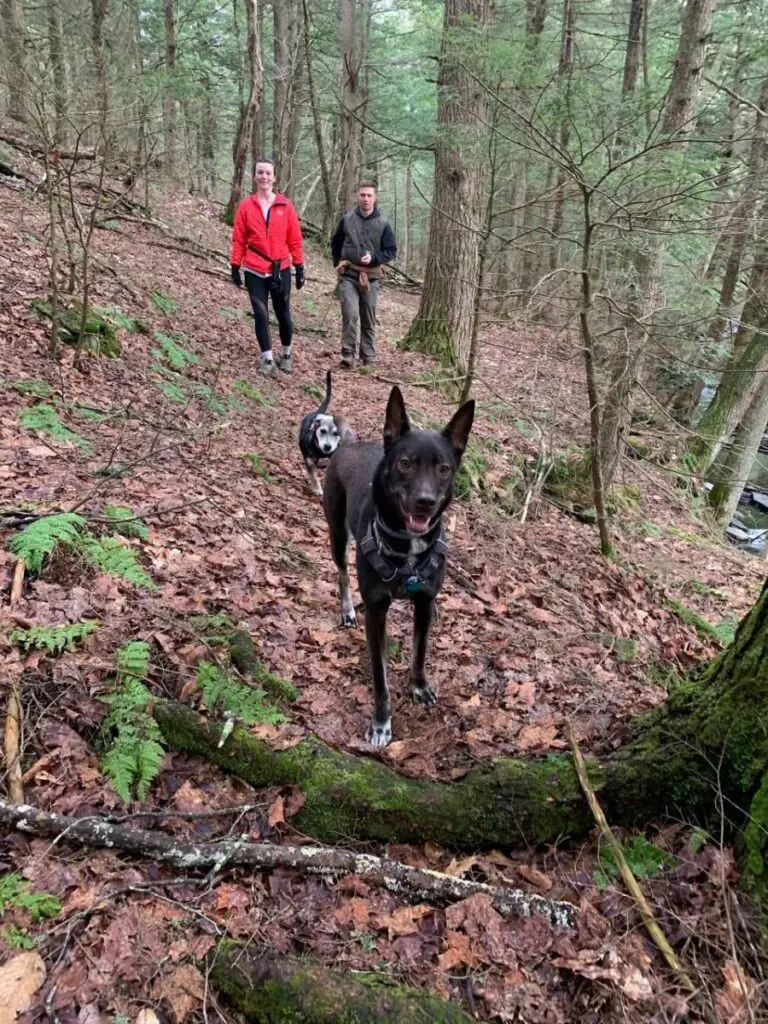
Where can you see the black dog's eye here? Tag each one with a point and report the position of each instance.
(404, 463)
(443, 469)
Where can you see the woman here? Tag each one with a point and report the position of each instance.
(266, 240)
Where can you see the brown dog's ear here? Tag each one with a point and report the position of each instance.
(458, 429)
(396, 422)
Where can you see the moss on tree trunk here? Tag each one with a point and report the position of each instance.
(701, 755)
(283, 991)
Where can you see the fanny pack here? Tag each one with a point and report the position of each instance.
(276, 278)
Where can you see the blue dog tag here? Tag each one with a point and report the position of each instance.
(414, 584)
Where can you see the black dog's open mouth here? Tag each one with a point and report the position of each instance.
(416, 522)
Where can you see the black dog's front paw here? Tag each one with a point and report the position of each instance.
(379, 733)
(424, 694)
(348, 620)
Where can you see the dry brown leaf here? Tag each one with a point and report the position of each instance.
(276, 814)
(20, 978)
(147, 1016)
(531, 736)
(355, 912)
(458, 950)
(460, 867)
(535, 877)
(184, 990)
(404, 920)
(734, 999)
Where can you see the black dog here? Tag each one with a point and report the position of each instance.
(392, 501)
(319, 437)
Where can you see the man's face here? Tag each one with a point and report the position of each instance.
(366, 200)
(264, 175)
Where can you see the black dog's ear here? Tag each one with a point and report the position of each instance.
(458, 429)
(396, 423)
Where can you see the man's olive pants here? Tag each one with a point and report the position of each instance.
(358, 312)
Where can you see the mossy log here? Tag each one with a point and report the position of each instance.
(269, 990)
(702, 755)
(246, 661)
(101, 338)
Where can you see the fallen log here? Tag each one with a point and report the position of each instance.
(269, 990)
(507, 803)
(414, 884)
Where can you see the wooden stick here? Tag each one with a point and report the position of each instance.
(12, 737)
(630, 881)
(419, 884)
(18, 580)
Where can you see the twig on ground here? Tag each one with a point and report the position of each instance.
(18, 581)
(12, 737)
(606, 832)
(406, 881)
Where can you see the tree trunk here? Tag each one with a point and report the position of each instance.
(742, 223)
(352, 42)
(702, 755)
(208, 138)
(169, 98)
(58, 70)
(285, 36)
(98, 47)
(14, 36)
(250, 114)
(634, 40)
(284, 991)
(732, 468)
(689, 64)
(325, 176)
(443, 324)
(643, 250)
(565, 72)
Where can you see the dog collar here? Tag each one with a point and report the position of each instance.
(414, 577)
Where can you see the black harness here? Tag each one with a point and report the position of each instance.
(413, 577)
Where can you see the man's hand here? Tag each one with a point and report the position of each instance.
(365, 260)
(236, 278)
(299, 276)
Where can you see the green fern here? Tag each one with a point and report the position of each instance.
(164, 303)
(125, 522)
(247, 390)
(136, 752)
(16, 892)
(177, 356)
(221, 692)
(36, 542)
(117, 318)
(33, 386)
(207, 395)
(44, 419)
(54, 639)
(113, 557)
(17, 938)
(175, 392)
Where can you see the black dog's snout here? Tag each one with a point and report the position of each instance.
(425, 502)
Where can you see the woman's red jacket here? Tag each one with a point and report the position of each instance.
(256, 242)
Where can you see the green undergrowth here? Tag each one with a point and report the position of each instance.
(245, 389)
(125, 522)
(53, 639)
(101, 337)
(645, 861)
(223, 693)
(258, 466)
(164, 303)
(37, 542)
(135, 750)
(17, 894)
(723, 631)
(44, 419)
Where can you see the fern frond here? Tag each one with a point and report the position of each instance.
(133, 659)
(136, 751)
(222, 692)
(54, 639)
(178, 357)
(44, 419)
(16, 892)
(36, 542)
(113, 557)
(123, 521)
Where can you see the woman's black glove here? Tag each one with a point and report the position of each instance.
(236, 278)
(299, 276)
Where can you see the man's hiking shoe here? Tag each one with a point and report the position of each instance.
(347, 363)
(267, 368)
(286, 363)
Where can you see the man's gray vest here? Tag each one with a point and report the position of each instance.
(362, 234)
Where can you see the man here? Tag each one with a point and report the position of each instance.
(266, 239)
(361, 244)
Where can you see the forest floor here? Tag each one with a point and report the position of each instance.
(535, 630)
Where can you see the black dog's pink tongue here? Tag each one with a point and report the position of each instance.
(416, 524)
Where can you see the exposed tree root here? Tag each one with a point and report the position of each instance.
(269, 990)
